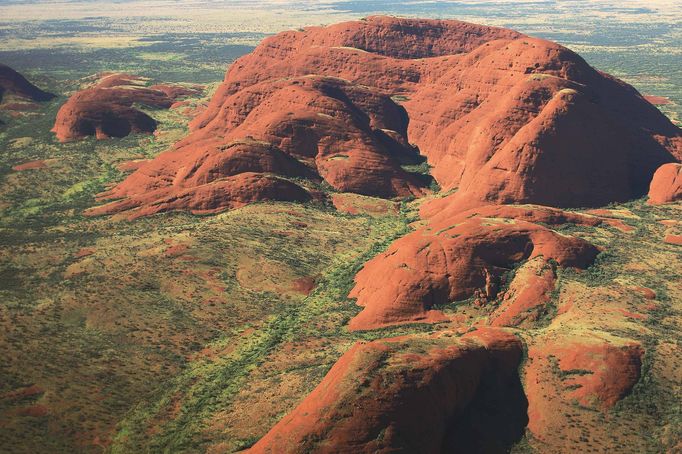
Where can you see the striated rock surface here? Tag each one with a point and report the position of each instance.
(666, 185)
(15, 85)
(427, 394)
(107, 109)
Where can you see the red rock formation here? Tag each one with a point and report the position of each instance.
(107, 108)
(528, 293)
(14, 84)
(658, 100)
(177, 91)
(666, 185)
(594, 372)
(673, 239)
(229, 192)
(457, 258)
(425, 394)
(309, 127)
(502, 116)
(31, 165)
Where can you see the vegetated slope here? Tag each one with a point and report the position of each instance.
(107, 108)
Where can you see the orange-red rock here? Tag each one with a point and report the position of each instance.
(528, 293)
(451, 260)
(14, 84)
(502, 116)
(426, 394)
(673, 239)
(594, 372)
(308, 127)
(107, 109)
(666, 185)
(31, 165)
(658, 100)
(225, 193)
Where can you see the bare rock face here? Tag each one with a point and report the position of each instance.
(427, 394)
(503, 117)
(455, 259)
(107, 108)
(14, 84)
(318, 128)
(230, 192)
(666, 185)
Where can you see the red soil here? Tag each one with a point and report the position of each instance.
(393, 395)
(666, 185)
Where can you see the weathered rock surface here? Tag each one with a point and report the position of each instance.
(666, 185)
(501, 116)
(593, 371)
(427, 394)
(457, 258)
(108, 109)
(229, 192)
(317, 128)
(504, 117)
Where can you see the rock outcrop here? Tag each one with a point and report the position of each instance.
(458, 258)
(107, 109)
(426, 394)
(502, 117)
(13, 84)
(666, 185)
(594, 372)
(319, 128)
